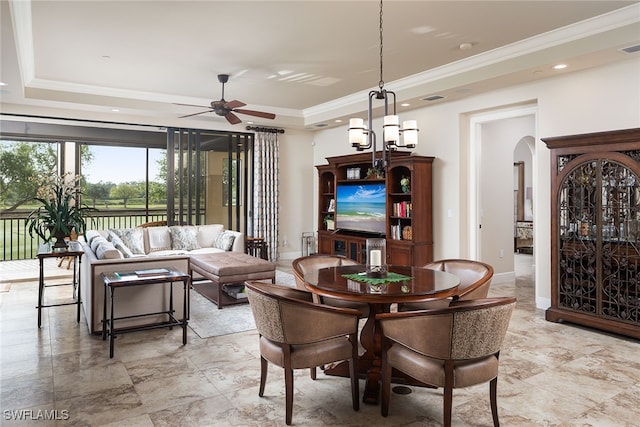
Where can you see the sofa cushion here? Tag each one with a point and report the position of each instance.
(184, 237)
(207, 234)
(224, 241)
(133, 238)
(205, 251)
(159, 239)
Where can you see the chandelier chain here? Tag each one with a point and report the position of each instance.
(381, 82)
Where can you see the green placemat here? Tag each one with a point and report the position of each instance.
(390, 278)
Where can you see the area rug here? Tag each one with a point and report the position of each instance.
(206, 320)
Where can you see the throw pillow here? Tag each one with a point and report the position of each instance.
(184, 237)
(159, 239)
(132, 238)
(119, 245)
(96, 241)
(225, 241)
(106, 250)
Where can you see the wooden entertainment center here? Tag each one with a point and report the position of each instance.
(408, 215)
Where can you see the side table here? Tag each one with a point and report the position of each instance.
(116, 280)
(257, 247)
(75, 252)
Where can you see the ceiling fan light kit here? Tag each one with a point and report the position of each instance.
(362, 137)
(227, 109)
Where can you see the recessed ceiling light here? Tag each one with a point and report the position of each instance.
(115, 110)
(3, 84)
(338, 120)
(405, 104)
(559, 66)
(422, 30)
(106, 57)
(465, 46)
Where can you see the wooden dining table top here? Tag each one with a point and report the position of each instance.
(421, 284)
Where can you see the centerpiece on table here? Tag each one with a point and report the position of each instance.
(59, 212)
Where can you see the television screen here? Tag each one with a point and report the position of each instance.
(361, 207)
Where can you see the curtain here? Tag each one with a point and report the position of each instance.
(265, 202)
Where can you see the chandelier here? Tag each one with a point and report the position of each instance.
(363, 137)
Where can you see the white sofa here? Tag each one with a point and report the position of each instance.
(120, 250)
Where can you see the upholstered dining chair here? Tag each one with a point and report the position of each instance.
(475, 279)
(453, 347)
(296, 333)
(305, 264)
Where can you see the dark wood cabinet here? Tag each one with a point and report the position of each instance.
(408, 224)
(595, 228)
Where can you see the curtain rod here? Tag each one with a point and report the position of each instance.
(264, 129)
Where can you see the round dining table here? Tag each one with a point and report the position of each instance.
(401, 285)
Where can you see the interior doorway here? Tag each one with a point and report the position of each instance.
(492, 196)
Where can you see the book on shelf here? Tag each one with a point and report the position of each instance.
(402, 209)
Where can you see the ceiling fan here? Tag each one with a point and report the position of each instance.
(227, 109)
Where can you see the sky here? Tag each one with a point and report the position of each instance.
(120, 164)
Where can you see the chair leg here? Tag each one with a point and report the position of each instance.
(312, 372)
(493, 393)
(263, 375)
(288, 389)
(448, 392)
(448, 398)
(355, 385)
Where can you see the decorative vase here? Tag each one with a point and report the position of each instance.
(60, 244)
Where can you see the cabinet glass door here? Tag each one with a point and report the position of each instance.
(599, 231)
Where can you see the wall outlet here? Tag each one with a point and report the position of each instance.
(501, 253)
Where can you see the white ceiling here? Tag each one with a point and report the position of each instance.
(309, 62)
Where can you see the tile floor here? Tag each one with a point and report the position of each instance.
(550, 375)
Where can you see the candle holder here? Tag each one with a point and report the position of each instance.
(376, 258)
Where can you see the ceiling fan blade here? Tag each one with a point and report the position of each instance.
(191, 105)
(195, 114)
(231, 105)
(232, 118)
(256, 113)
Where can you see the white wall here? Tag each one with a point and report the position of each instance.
(600, 99)
(297, 191)
(499, 139)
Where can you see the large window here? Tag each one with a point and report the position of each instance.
(127, 185)
(126, 175)
(21, 163)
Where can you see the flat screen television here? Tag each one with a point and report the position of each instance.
(361, 207)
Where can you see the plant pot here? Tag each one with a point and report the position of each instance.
(60, 243)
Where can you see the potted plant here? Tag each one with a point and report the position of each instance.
(405, 184)
(59, 212)
(329, 222)
(376, 171)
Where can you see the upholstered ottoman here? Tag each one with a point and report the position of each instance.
(226, 268)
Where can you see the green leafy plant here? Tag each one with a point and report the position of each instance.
(59, 213)
(376, 171)
(405, 184)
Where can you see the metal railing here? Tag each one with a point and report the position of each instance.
(16, 243)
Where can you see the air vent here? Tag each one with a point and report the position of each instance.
(631, 49)
(433, 98)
